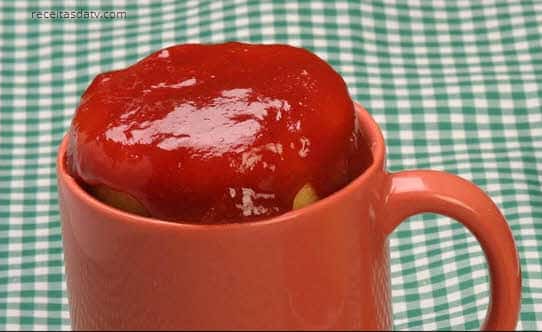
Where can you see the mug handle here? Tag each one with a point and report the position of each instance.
(412, 192)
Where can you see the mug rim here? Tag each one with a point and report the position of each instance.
(367, 124)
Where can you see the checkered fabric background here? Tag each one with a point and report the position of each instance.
(455, 86)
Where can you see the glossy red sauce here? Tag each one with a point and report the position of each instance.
(218, 133)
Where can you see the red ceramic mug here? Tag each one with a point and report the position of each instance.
(325, 266)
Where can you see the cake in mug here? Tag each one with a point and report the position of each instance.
(217, 133)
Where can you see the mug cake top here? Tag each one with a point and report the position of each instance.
(219, 132)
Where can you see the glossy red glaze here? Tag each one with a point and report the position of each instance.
(324, 266)
(218, 133)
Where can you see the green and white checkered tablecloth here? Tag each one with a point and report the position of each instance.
(455, 85)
